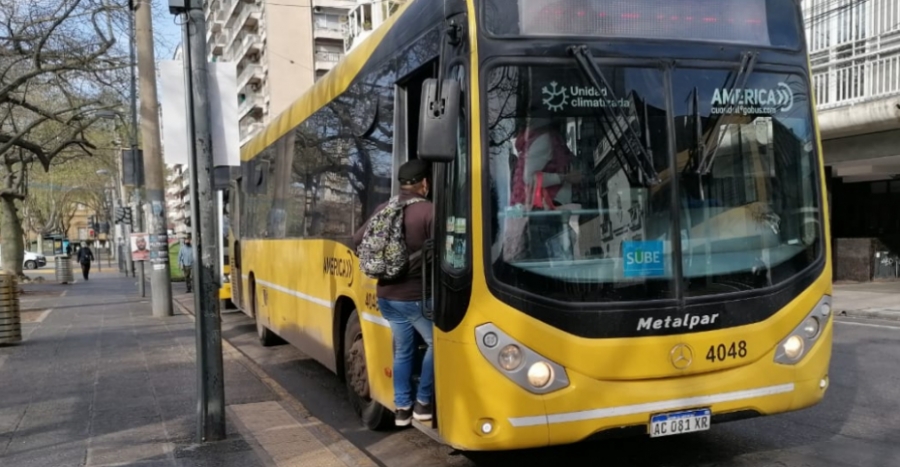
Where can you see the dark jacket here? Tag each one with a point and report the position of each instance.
(418, 222)
(85, 255)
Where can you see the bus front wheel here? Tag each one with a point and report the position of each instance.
(373, 415)
(266, 337)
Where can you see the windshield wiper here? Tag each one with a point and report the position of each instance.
(748, 61)
(639, 166)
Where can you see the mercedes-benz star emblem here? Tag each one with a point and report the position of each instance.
(681, 356)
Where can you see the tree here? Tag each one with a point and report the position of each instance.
(59, 69)
(54, 196)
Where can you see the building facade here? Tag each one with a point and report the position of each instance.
(178, 200)
(280, 49)
(365, 17)
(854, 49)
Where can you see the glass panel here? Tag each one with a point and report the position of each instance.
(753, 219)
(456, 190)
(591, 233)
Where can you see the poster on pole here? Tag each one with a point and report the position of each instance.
(223, 113)
(139, 251)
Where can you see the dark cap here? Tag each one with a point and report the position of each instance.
(413, 172)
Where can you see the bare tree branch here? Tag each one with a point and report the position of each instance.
(60, 65)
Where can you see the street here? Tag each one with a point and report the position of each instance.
(856, 425)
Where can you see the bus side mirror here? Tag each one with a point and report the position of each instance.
(438, 121)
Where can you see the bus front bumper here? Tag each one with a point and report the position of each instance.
(500, 415)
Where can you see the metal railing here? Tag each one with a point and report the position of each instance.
(331, 57)
(856, 80)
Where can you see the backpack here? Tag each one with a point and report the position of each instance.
(382, 252)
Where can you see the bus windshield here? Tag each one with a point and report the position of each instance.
(573, 220)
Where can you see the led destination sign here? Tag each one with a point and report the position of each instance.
(739, 21)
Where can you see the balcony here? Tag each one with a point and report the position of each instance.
(252, 104)
(854, 51)
(249, 131)
(244, 43)
(249, 16)
(365, 18)
(215, 44)
(214, 17)
(335, 4)
(251, 43)
(327, 60)
(857, 80)
(229, 9)
(251, 74)
(331, 31)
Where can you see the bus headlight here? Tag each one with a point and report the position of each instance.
(510, 357)
(810, 327)
(525, 367)
(798, 343)
(540, 374)
(793, 347)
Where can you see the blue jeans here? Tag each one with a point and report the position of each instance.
(406, 319)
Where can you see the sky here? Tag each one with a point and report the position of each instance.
(167, 33)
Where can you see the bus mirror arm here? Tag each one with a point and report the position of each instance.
(427, 256)
(439, 120)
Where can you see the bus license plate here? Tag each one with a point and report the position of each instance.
(677, 423)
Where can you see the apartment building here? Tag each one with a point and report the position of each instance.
(178, 200)
(280, 49)
(365, 17)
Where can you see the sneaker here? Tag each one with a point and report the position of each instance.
(403, 417)
(422, 412)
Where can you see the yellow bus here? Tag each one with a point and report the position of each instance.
(674, 273)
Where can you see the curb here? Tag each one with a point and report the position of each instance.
(872, 313)
(334, 440)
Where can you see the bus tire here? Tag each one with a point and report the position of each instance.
(267, 338)
(374, 416)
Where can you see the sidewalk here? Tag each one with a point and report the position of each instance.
(97, 381)
(868, 299)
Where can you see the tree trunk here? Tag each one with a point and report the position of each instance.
(12, 252)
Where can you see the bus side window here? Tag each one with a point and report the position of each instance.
(456, 189)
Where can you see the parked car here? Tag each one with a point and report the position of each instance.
(33, 260)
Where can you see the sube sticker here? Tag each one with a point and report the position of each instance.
(644, 259)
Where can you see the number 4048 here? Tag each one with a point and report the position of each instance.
(722, 352)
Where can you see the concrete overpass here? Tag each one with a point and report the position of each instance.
(861, 142)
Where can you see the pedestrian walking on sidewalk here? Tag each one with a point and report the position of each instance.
(186, 262)
(399, 289)
(85, 256)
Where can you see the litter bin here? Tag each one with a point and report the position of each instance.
(64, 270)
(10, 315)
